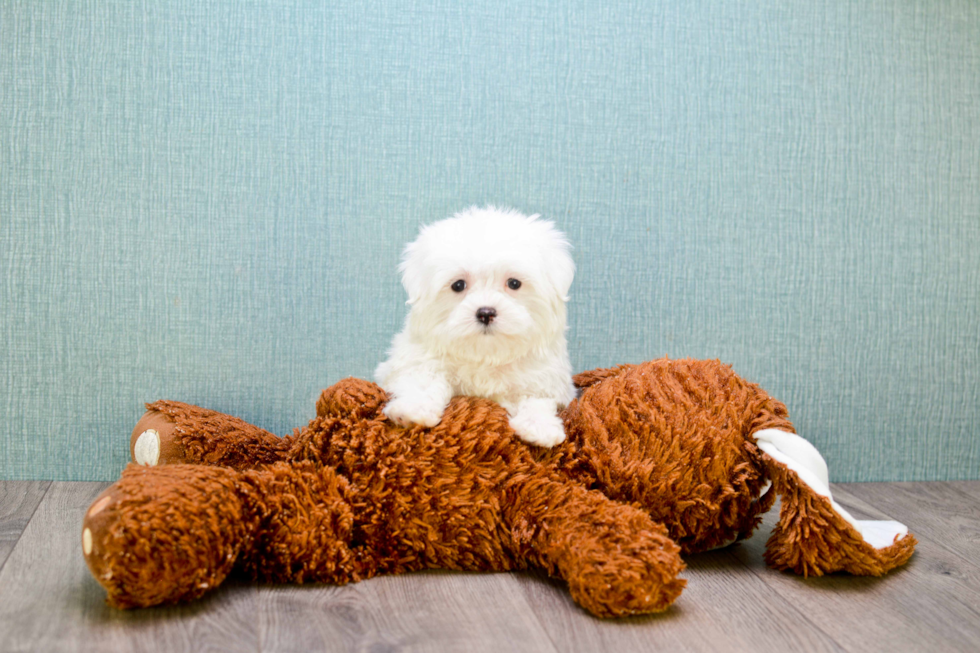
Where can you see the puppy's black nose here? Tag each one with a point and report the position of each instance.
(486, 314)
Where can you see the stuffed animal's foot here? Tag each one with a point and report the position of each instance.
(173, 432)
(816, 535)
(170, 533)
(165, 534)
(152, 441)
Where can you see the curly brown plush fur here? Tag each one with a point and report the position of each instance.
(659, 461)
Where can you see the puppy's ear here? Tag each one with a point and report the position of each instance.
(559, 268)
(411, 269)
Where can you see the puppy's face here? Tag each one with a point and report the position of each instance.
(487, 285)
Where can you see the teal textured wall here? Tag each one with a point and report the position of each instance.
(206, 202)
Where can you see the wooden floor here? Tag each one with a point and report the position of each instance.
(48, 601)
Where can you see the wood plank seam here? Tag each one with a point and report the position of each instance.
(44, 493)
(786, 602)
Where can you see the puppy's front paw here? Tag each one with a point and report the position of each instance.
(406, 412)
(536, 422)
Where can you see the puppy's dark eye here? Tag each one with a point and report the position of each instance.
(458, 286)
(513, 284)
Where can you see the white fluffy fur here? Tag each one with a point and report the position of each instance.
(520, 360)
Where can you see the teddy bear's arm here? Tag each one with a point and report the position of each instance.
(616, 559)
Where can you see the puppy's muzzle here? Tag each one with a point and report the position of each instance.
(485, 314)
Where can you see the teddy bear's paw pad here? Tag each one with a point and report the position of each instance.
(98, 518)
(146, 449)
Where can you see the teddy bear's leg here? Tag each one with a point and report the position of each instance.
(174, 432)
(616, 559)
(816, 535)
(307, 527)
(165, 534)
(171, 533)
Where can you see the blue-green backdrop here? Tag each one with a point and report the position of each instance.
(206, 201)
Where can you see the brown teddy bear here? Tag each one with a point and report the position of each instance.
(662, 459)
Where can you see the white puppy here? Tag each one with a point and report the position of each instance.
(487, 290)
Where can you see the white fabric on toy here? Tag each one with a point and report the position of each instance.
(146, 451)
(804, 459)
